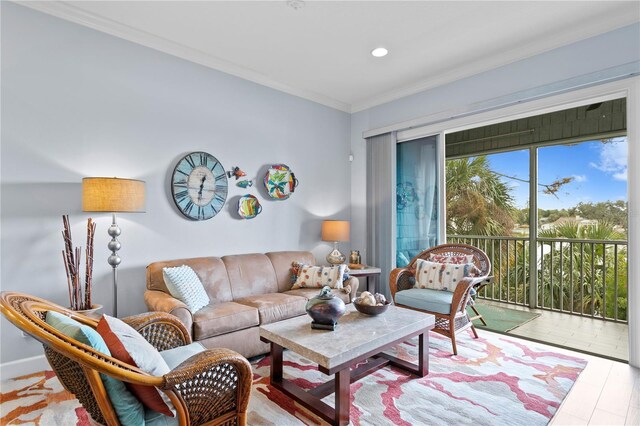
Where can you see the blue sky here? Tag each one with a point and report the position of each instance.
(599, 171)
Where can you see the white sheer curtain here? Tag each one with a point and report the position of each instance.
(381, 206)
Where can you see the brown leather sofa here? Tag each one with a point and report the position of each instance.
(245, 291)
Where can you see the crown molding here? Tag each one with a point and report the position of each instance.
(76, 15)
(551, 42)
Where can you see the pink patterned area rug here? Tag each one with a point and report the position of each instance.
(494, 380)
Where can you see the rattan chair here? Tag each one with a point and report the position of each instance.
(211, 387)
(457, 319)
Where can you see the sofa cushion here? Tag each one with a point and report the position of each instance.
(308, 293)
(426, 299)
(221, 318)
(282, 260)
(250, 275)
(273, 307)
(210, 270)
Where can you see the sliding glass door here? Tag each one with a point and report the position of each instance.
(416, 198)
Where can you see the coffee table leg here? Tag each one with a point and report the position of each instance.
(423, 354)
(276, 363)
(343, 396)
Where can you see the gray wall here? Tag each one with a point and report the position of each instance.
(587, 60)
(77, 103)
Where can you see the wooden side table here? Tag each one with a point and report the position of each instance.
(371, 273)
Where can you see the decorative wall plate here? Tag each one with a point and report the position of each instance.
(249, 207)
(199, 186)
(280, 182)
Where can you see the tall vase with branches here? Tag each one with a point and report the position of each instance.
(79, 298)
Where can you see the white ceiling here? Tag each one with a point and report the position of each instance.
(321, 51)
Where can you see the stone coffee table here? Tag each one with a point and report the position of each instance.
(358, 337)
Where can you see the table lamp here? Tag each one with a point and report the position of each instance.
(336, 231)
(113, 195)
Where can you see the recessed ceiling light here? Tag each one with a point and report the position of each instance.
(379, 52)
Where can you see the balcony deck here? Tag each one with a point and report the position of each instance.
(585, 334)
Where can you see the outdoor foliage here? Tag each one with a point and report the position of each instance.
(478, 202)
(581, 268)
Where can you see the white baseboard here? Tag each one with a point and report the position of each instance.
(22, 367)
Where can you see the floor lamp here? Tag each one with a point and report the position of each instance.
(113, 195)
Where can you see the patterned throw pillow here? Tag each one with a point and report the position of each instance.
(458, 260)
(184, 285)
(128, 409)
(442, 276)
(127, 345)
(319, 276)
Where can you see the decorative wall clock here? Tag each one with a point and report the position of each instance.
(199, 186)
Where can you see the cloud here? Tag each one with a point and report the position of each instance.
(613, 159)
(579, 178)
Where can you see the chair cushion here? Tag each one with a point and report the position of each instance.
(221, 318)
(426, 299)
(128, 409)
(184, 285)
(127, 345)
(176, 356)
(273, 307)
(308, 293)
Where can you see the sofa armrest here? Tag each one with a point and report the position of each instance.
(353, 283)
(162, 302)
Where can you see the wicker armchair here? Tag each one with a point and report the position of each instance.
(457, 319)
(209, 388)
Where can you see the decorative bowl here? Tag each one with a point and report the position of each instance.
(371, 309)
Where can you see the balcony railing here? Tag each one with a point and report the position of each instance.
(579, 277)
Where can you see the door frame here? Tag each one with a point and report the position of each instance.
(628, 88)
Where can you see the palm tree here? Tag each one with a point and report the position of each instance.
(478, 201)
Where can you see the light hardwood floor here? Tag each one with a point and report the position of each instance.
(606, 393)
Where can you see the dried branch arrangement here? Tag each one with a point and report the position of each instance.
(71, 257)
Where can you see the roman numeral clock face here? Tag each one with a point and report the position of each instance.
(199, 186)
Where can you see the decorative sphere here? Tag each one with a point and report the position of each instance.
(114, 245)
(114, 260)
(114, 231)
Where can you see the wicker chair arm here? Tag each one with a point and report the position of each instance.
(164, 331)
(461, 295)
(399, 280)
(211, 384)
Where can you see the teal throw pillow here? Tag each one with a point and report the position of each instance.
(129, 410)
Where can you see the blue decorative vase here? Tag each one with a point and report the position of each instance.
(325, 309)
